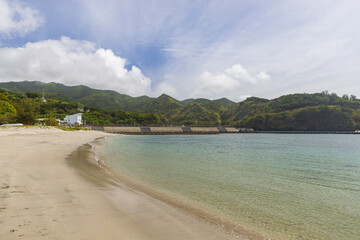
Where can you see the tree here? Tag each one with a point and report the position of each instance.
(32, 95)
(26, 112)
(7, 110)
(352, 98)
(51, 122)
(7, 118)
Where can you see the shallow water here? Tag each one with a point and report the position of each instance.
(284, 186)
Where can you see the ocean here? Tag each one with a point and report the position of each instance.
(281, 186)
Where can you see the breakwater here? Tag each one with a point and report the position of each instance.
(166, 130)
(143, 130)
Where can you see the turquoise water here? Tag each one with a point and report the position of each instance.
(282, 185)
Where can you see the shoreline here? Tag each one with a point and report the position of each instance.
(43, 197)
(226, 226)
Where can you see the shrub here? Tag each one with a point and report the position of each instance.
(51, 122)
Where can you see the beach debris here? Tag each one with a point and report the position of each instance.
(12, 230)
(5, 186)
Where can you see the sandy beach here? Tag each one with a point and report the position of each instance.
(44, 195)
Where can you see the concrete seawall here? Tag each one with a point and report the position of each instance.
(130, 130)
(164, 130)
(205, 130)
(199, 130)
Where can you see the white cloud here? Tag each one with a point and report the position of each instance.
(72, 62)
(263, 76)
(238, 72)
(210, 85)
(229, 83)
(306, 45)
(16, 18)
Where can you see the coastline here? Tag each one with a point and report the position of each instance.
(43, 197)
(201, 215)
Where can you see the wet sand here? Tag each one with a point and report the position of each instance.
(45, 194)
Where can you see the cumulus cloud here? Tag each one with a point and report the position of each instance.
(239, 73)
(72, 62)
(208, 84)
(16, 18)
(228, 83)
(263, 76)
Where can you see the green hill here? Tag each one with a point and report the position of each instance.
(161, 105)
(112, 100)
(301, 112)
(225, 102)
(106, 99)
(315, 112)
(26, 108)
(195, 114)
(92, 97)
(194, 100)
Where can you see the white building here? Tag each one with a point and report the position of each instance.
(73, 119)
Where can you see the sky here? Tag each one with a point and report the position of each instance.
(187, 49)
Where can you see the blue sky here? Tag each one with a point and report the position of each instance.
(212, 49)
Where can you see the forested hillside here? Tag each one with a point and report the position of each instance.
(294, 112)
(173, 110)
(103, 98)
(302, 112)
(26, 108)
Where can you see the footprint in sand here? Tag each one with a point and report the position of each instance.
(17, 191)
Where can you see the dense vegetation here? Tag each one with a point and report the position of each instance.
(98, 116)
(195, 114)
(105, 99)
(301, 112)
(177, 112)
(26, 108)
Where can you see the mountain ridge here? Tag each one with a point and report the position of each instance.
(305, 112)
(108, 99)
